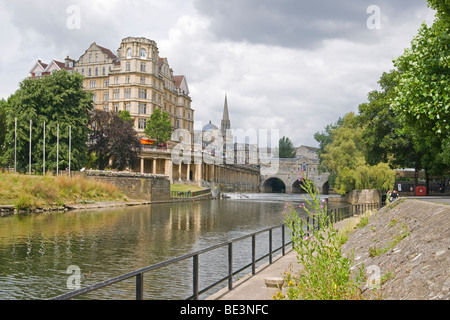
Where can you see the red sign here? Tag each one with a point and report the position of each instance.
(147, 142)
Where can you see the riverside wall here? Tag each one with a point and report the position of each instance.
(151, 189)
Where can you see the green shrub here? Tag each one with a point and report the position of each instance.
(326, 273)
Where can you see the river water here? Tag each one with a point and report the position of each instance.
(37, 249)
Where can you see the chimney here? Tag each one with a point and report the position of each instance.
(68, 63)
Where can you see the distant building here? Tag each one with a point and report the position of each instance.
(42, 69)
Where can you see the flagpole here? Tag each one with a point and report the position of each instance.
(57, 150)
(15, 145)
(43, 166)
(70, 145)
(29, 160)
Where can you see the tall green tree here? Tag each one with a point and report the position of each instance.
(159, 127)
(422, 97)
(286, 148)
(344, 158)
(324, 138)
(383, 133)
(57, 99)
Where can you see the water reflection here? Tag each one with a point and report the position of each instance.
(37, 249)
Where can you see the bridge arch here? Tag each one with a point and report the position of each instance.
(274, 185)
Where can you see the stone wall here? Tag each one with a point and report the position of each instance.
(364, 196)
(139, 188)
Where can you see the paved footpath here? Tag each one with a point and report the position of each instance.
(253, 287)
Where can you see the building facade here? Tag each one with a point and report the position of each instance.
(136, 80)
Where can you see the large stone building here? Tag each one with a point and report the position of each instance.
(136, 80)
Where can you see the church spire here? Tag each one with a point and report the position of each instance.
(225, 118)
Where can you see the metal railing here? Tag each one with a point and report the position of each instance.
(188, 194)
(335, 215)
(139, 274)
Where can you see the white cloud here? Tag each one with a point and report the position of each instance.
(298, 89)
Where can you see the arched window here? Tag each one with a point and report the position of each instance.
(142, 53)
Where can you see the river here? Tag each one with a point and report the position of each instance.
(37, 249)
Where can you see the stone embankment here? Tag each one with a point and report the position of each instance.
(407, 246)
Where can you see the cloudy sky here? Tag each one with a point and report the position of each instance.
(288, 65)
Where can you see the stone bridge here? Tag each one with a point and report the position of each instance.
(285, 179)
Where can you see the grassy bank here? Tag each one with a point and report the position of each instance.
(30, 192)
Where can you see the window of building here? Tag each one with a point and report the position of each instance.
(96, 57)
(142, 80)
(116, 93)
(127, 79)
(127, 93)
(143, 64)
(90, 72)
(90, 57)
(93, 84)
(142, 93)
(127, 107)
(96, 71)
(105, 96)
(142, 53)
(82, 72)
(142, 108)
(129, 53)
(142, 123)
(106, 83)
(116, 107)
(94, 97)
(127, 66)
(105, 108)
(116, 80)
(104, 71)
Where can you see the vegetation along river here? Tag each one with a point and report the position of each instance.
(37, 249)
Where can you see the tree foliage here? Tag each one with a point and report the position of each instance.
(113, 138)
(55, 99)
(286, 148)
(159, 126)
(344, 158)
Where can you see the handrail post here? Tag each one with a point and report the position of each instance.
(140, 286)
(195, 277)
(253, 254)
(230, 266)
(283, 240)
(270, 246)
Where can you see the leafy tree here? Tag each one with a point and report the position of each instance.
(286, 148)
(383, 133)
(423, 92)
(325, 138)
(55, 99)
(112, 138)
(159, 127)
(125, 115)
(345, 159)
